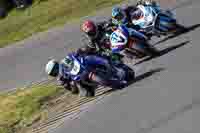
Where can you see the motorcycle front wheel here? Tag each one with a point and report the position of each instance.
(85, 90)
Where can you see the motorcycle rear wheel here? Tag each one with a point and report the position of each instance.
(143, 49)
(165, 24)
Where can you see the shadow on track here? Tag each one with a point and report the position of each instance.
(184, 31)
(165, 51)
(138, 78)
(146, 75)
(171, 116)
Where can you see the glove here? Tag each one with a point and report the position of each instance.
(105, 52)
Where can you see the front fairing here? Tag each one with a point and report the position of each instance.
(119, 39)
(76, 71)
(72, 76)
(149, 14)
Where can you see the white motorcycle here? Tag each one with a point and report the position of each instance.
(155, 22)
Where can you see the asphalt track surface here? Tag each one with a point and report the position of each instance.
(164, 99)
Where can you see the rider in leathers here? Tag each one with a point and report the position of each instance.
(62, 71)
(92, 39)
(125, 15)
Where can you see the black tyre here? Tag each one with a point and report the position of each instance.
(74, 90)
(130, 74)
(86, 90)
(71, 87)
(164, 23)
(90, 92)
(144, 49)
(180, 28)
(22, 4)
(151, 51)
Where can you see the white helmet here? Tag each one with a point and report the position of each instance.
(52, 68)
(148, 2)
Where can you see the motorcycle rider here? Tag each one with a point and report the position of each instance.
(123, 16)
(93, 36)
(63, 69)
(92, 40)
(55, 69)
(127, 14)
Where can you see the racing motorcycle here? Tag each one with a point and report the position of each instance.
(134, 45)
(97, 74)
(156, 22)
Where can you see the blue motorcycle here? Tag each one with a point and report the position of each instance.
(90, 71)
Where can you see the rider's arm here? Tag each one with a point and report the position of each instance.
(106, 25)
(60, 80)
(87, 45)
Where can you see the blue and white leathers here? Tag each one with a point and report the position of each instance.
(82, 66)
(149, 14)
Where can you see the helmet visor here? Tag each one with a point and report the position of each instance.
(119, 16)
(91, 33)
(137, 14)
(55, 70)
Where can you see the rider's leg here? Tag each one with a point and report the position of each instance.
(139, 35)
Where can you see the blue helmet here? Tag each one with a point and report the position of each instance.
(115, 11)
(118, 16)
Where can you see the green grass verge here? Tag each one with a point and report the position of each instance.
(23, 107)
(44, 14)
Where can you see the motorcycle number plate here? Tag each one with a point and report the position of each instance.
(117, 38)
(76, 69)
